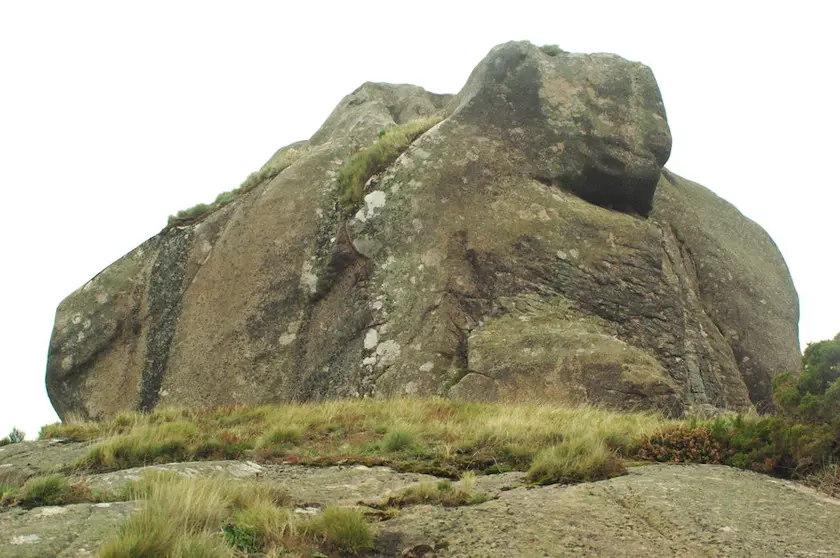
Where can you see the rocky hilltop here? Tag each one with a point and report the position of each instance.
(531, 245)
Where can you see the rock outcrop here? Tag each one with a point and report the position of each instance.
(671, 510)
(530, 246)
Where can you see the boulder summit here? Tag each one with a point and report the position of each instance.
(520, 240)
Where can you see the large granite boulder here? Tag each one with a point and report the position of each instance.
(531, 246)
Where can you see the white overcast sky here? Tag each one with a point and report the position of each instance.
(115, 114)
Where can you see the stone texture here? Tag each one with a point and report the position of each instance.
(531, 246)
(671, 510)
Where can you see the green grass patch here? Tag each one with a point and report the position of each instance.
(376, 158)
(342, 529)
(575, 460)
(433, 436)
(266, 173)
(51, 490)
(189, 516)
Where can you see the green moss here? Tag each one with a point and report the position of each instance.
(377, 157)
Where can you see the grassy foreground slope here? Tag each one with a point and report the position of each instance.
(452, 440)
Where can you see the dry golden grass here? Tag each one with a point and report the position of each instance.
(433, 435)
(214, 517)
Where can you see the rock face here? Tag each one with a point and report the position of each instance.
(530, 246)
(670, 510)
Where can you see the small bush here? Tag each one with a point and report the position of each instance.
(826, 480)
(683, 444)
(342, 529)
(575, 460)
(16, 436)
(551, 50)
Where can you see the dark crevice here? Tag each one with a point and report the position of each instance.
(623, 194)
(167, 284)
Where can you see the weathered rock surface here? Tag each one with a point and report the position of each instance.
(695, 510)
(530, 246)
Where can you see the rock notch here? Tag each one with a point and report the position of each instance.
(530, 246)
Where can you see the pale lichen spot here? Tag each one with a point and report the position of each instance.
(369, 361)
(77, 319)
(67, 363)
(101, 298)
(387, 351)
(417, 224)
(562, 255)
(373, 201)
(287, 339)
(80, 337)
(371, 339)
(427, 367)
(574, 253)
(432, 257)
(51, 510)
(319, 212)
(25, 539)
(389, 262)
(307, 278)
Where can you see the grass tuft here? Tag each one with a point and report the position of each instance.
(342, 529)
(188, 516)
(575, 460)
(377, 157)
(396, 441)
(266, 173)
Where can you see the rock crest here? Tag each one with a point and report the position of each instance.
(531, 246)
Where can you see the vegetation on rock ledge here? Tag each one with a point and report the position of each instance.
(377, 157)
(267, 172)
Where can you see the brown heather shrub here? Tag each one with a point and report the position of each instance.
(683, 444)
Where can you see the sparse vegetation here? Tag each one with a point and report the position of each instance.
(341, 529)
(575, 460)
(188, 516)
(802, 441)
(440, 437)
(377, 157)
(15, 437)
(50, 490)
(441, 493)
(267, 172)
(551, 50)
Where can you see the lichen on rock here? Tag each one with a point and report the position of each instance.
(529, 246)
